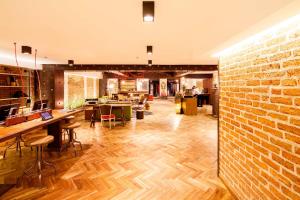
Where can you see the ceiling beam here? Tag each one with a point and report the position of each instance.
(199, 76)
(137, 67)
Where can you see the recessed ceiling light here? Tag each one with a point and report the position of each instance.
(26, 49)
(70, 62)
(149, 50)
(148, 11)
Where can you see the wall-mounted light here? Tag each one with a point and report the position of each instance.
(149, 62)
(26, 49)
(271, 32)
(148, 11)
(70, 62)
(149, 50)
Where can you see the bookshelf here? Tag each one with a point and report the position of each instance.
(11, 85)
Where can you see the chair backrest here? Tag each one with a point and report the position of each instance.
(105, 109)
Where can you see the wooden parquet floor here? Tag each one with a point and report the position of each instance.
(164, 156)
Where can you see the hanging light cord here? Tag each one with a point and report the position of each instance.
(38, 77)
(20, 70)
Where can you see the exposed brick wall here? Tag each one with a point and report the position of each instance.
(260, 117)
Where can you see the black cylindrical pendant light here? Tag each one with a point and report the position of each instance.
(26, 49)
(70, 62)
(149, 49)
(149, 62)
(148, 11)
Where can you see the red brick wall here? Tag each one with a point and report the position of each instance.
(260, 117)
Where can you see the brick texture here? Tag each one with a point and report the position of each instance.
(259, 130)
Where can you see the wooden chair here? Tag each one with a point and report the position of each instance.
(94, 117)
(106, 115)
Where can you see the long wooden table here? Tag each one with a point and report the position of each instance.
(53, 126)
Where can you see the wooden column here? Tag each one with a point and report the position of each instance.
(59, 89)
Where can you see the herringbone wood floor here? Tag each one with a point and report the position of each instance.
(164, 156)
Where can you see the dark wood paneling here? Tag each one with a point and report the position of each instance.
(59, 89)
(199, 76)
(137, 67)
(47, 85)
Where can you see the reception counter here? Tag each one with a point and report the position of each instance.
(189, 105)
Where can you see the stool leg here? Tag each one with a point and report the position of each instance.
(76, 141)
(4, 153)
(39, 163)
(19, 146)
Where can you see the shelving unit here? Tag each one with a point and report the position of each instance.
(128, 85)
(11, 88)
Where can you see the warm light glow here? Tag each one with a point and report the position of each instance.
(111, 86)
(81, 75)
(178, 108)
(273, 31)
(149, 53)
(148, 18)
(8, 58)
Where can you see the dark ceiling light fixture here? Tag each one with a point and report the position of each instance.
(70, 62)
(26, 49)
(149, 62)
(148, 11)
(149, 50)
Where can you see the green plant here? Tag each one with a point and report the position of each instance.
(77, 102)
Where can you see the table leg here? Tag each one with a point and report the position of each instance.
(55, 130)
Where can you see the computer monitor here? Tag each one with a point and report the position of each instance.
(8, 110)
(38, 105)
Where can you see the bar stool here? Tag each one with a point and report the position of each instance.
(69, 119)
(17, 142)
(71, 133)
(36, 168)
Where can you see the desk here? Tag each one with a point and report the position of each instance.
(53, 126)
(189, 106)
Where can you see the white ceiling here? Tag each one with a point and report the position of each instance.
(113, 32)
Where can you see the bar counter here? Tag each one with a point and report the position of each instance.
(10, 132)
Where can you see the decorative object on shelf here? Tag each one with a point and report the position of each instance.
(19, 94)
(12, 81)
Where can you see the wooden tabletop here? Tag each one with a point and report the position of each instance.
(18, 129)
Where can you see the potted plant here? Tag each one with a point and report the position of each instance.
(178, 97)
